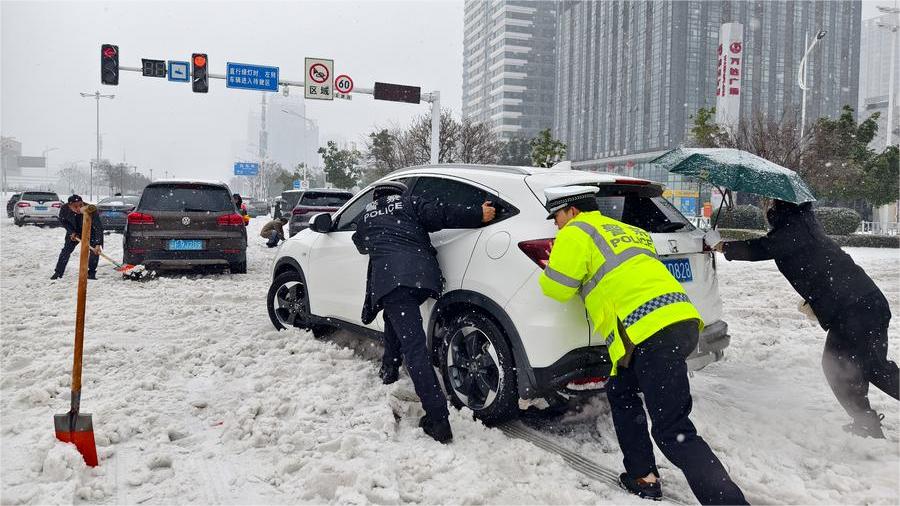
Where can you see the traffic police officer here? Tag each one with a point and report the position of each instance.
(403, 273)
(650, 327)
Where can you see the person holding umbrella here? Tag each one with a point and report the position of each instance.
(845, 300)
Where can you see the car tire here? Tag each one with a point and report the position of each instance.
(238, 267)
(18, 222)
(476, 364)
(288, 305)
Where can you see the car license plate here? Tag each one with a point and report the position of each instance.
(185, 244)
(681, 269)
(40, 208)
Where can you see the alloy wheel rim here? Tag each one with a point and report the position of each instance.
(473, 367)
(290, 303)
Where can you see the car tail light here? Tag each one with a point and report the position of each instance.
(231, 251)
(140, 219)
(57, 204)
(628, 180)
(23, 204)
(299, 211)
(233, 219)
(538, 250)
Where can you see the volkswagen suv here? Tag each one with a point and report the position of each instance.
(496, 341)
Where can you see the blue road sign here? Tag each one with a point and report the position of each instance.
(298, 184)
(251, 77)
(179, 71)
(246, 168)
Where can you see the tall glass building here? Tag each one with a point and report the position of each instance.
(635, 73)
(509, 65)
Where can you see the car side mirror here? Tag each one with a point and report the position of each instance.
(320, 223)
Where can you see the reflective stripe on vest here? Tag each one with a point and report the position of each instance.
(612, 260)
(561, 278)
(652, 305)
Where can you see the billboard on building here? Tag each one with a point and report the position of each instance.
(729, 73)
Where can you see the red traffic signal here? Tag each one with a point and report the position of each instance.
(109, 64)
(199, 73)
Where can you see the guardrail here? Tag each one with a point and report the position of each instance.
(878, 228)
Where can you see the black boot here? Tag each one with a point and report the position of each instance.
(55, 276)
(389, 374)
(92, 275)
(641, 488)
(866, 425)
(438, 429)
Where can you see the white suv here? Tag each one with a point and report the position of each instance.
(495, 338)
(37, 207)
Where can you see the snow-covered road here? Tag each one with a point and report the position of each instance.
(195, 398)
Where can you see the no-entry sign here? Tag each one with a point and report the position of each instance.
(319, 79)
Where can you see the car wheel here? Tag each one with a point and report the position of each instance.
(477, 367)
(238, 267)
(288, 305)
(18, 222)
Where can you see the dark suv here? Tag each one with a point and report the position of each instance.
(181, 224)
(11, 204)
(114, 211)
(312, 202)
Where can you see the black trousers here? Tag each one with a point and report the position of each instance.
(67, 249)
(658, 369)
(403, 334)
(856, 355)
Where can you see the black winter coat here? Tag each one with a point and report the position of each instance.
(73, 223)
(821, 272)
(393, 231)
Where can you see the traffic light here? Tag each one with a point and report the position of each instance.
(398, 93)
(109, 64)
(199, 74)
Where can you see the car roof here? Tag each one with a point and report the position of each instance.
(210, 182)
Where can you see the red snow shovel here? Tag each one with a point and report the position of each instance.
(75, 427)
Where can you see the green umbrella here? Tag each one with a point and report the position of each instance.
(737, 170)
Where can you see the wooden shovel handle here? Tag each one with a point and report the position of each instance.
(87, 212)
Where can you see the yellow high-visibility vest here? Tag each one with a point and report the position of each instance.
(614, 268)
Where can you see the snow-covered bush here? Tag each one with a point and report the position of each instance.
(868, 241)
(741, 217)
(838, 220)
(734, 234)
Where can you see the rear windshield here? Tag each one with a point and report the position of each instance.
(40, 196)
(323, 199)
(651, 213)
(186, 198)
(119, 201)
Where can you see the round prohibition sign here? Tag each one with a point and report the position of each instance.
(343, 84)
(318, 72)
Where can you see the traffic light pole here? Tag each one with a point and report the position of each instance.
(434, 98)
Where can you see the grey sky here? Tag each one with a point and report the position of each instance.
(50, 53)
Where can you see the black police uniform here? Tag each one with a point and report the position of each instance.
(846, 301)
(72, 221)
(403, 273)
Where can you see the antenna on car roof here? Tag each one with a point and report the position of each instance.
(564, 165)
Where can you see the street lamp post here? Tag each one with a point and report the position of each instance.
(801, 76)
(44, 156)
(97, 96)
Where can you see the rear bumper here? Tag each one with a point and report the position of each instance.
(52, 219)
(113, 221)
(593, 361)
(162, 259)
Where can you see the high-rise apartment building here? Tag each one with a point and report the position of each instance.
(636, 71)
(509, 62)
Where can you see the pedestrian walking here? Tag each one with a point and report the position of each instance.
(71, 218)
(403, 273)
(274, 231)
(845, 300)
(650, 327)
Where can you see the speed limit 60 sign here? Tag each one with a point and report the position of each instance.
(343, 84)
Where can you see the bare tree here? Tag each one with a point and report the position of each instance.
(477, 143)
